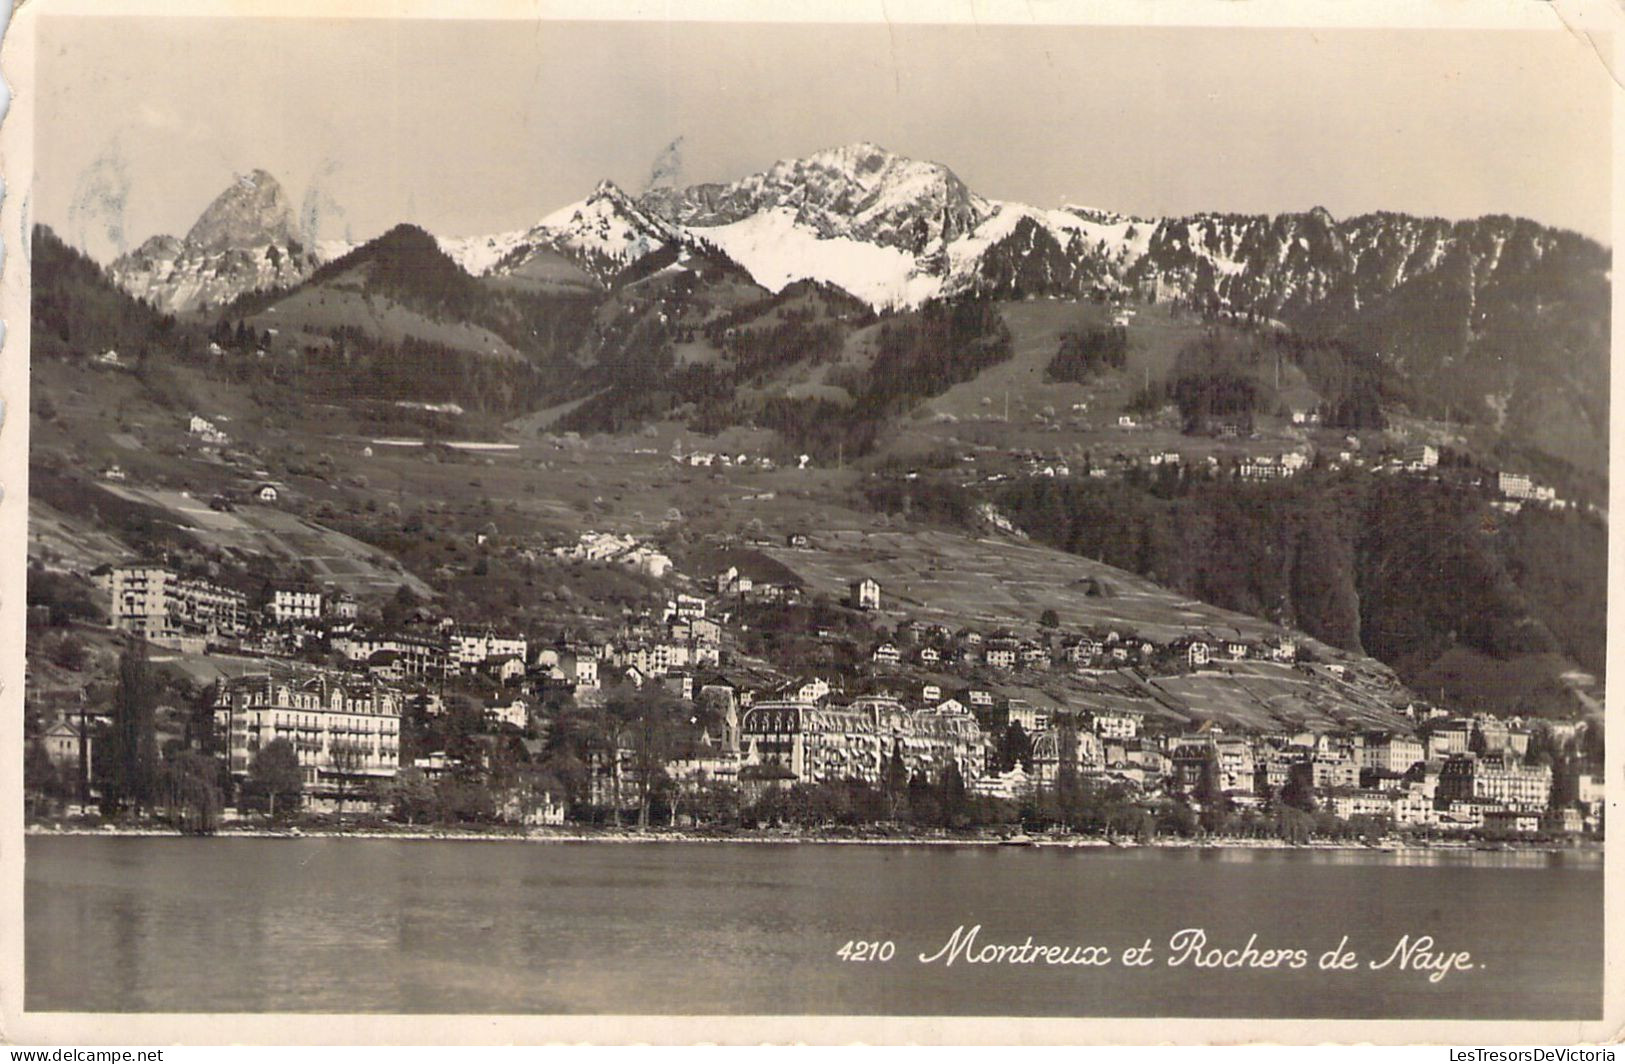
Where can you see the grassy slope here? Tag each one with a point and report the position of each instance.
(304, 316)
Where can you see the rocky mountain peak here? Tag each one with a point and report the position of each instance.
(859, 191)
(243, 241)
(253, 211)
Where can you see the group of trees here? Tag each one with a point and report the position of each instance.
(129, 770)
(918, 354)
(78, 313)
(1401, 569)
(924, 354)
(900, 799)
(1229, 375)
(354, 366)
(1085, 353)
(626, 743)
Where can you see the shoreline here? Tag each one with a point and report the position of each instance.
(627, 837)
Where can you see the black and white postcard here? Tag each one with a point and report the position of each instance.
(1016, 523)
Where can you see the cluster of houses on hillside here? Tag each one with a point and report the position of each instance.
(1517, 489)
(342, 708)
(188, 613)
(935, 647)
(618, 549)
(208, 437)
(1511, 491)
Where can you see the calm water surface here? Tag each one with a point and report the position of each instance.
(352, 925)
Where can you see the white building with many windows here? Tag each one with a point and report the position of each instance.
(345, 732)
(156, 603)
(295, 605)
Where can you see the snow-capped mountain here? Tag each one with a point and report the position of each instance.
(603, 234)
(895, 232)
(243, 241)
(1497, 313)
(859, 192)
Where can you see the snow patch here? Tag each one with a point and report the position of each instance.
(777, 251)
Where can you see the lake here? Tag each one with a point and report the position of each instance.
(378, 925)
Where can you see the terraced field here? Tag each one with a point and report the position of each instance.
(331, 557)
(991, 583)
(940, 576)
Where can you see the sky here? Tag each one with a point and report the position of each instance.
(468, 128)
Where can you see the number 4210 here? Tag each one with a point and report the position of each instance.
(863, 952)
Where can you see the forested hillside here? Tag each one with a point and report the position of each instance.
(1403, 569)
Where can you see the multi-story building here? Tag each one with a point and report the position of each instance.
(1512, 820)
(1347, 804)
(1391, 752)
(295, 605)
(1033, 719)
(1452, 736)
(1329, 771)
(866, 594)
(703, 630)
(580, 669)
(1001, 654)
(1411, 808)
(345, 732)
(1271, 771)
(141, 598)
(1516, 485)
(215, 609)
(929, 739)
(1495, 733)
(1115, 724)
(1496, 777)
(686, 607)
(1420, 456)
(1236, 763)
(1423, 778)
(418, 658)
(1058, 746)
(155, 603)
(817, 744)
(471, 646)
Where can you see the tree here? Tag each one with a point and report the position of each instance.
(1541, 749)
(895, 783)
(1591, 742)
(1015, 748)
(1298, 792)
(952, 795)
(192, 791)
(1209, 788)
(399, 607)
(275, 771)
(413, 796)
(1293, 825)
(40, 777)
(69, 653)
(1068, 785)
(201, 729)
(133, 767)
(347, 757)
(647, 722)
(1049, 619)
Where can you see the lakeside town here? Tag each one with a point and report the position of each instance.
(747, 702)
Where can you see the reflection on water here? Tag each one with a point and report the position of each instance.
(340, 925)
(1400, 856)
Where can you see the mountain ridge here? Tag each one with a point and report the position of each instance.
(1497, 319)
